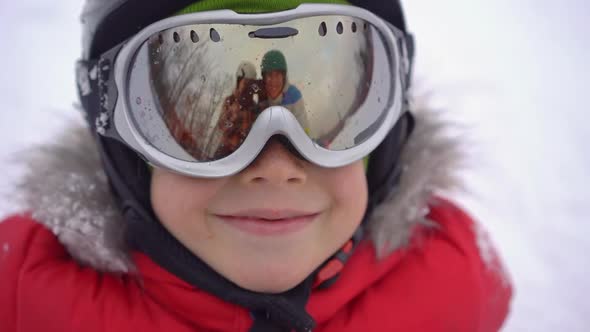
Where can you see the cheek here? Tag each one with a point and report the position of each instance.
(350, 183)
(275, 81)
(180, 203)
(349, 191)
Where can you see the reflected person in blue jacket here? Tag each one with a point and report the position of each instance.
(278, 89)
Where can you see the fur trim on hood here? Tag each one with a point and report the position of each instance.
(65, 188)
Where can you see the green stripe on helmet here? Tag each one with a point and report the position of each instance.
(251, 6)
(273, 60)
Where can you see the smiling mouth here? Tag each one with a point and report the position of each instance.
(265, 223)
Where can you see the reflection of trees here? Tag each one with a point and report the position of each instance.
(187, 93)
(364, 59)
(364, 64)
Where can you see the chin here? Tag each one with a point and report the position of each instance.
(271, 279)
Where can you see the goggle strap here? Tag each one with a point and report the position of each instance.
(87, 83)
(407, 48)
(98, 92)
(411, 49)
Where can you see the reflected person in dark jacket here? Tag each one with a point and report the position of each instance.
(239, 110)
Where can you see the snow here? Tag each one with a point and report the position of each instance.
(515, 71)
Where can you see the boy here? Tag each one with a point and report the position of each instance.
(282, 234)
(278, 89)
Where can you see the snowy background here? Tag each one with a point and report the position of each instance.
(515, 71)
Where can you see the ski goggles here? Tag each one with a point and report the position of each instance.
(201, 94)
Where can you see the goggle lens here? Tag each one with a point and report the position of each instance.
(196, 90)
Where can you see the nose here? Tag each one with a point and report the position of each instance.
(275, 165)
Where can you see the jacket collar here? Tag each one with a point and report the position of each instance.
(192, 304)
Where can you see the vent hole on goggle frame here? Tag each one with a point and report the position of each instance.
(176, 37)
(323, 30)
(161, 39)
(339, 28)
(365, 26)
(214, 35)
(194, 36)
(354, 27)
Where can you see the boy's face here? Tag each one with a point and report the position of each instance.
(271, 225)
(274, 82)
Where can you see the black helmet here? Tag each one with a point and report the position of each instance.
(107, 23)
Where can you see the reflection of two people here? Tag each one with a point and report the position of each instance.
(253, 96)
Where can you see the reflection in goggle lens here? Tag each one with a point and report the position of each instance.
(198, 89)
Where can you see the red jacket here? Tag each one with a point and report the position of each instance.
(438, 283)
